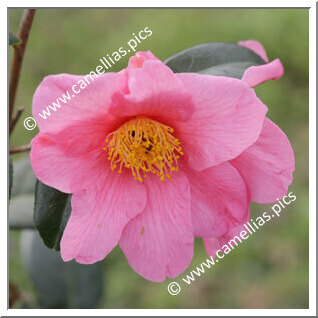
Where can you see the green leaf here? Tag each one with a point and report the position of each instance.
(235, 69)
(13, 39)
(52, 210)
(221, 59)
(10, 176)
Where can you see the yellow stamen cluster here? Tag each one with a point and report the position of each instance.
(144, 145)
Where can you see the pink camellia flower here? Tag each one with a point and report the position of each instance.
(154, 159)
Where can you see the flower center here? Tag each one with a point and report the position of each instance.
(144, 145)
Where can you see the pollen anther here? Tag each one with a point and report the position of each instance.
(144, 145)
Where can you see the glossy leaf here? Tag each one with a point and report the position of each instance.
(235, 69)
(52, 210)
(221, 59)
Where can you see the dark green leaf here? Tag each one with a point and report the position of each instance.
(52, 210)
(13, 39)
(10, 176)
(226, 59)
(235, 69)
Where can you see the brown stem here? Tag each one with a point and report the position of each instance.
(16, 118)
(14, 294)
(25, 27)
(19, 149)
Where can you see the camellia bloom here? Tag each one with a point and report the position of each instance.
(154, 159)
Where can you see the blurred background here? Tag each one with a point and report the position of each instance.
(270, 270)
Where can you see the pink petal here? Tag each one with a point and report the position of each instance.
(91, 102)
(256, 75)
(159, 241)
(219, 199)
(155, 92)
(53, 166)
(99, 216)
(213, 244)
(267, 166)
(228, 119)
(256, 47)
(87, 135)
(139, 59)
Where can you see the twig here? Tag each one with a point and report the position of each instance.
(25, 26)
(16, 118)
(14, 294)
(19, 149)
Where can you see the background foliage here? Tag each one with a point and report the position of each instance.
(270, 270)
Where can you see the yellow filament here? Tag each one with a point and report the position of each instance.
(144, 145)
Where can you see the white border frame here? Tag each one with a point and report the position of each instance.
(312, 163)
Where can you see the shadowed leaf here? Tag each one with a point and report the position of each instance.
(220, 59)
(52, 210)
